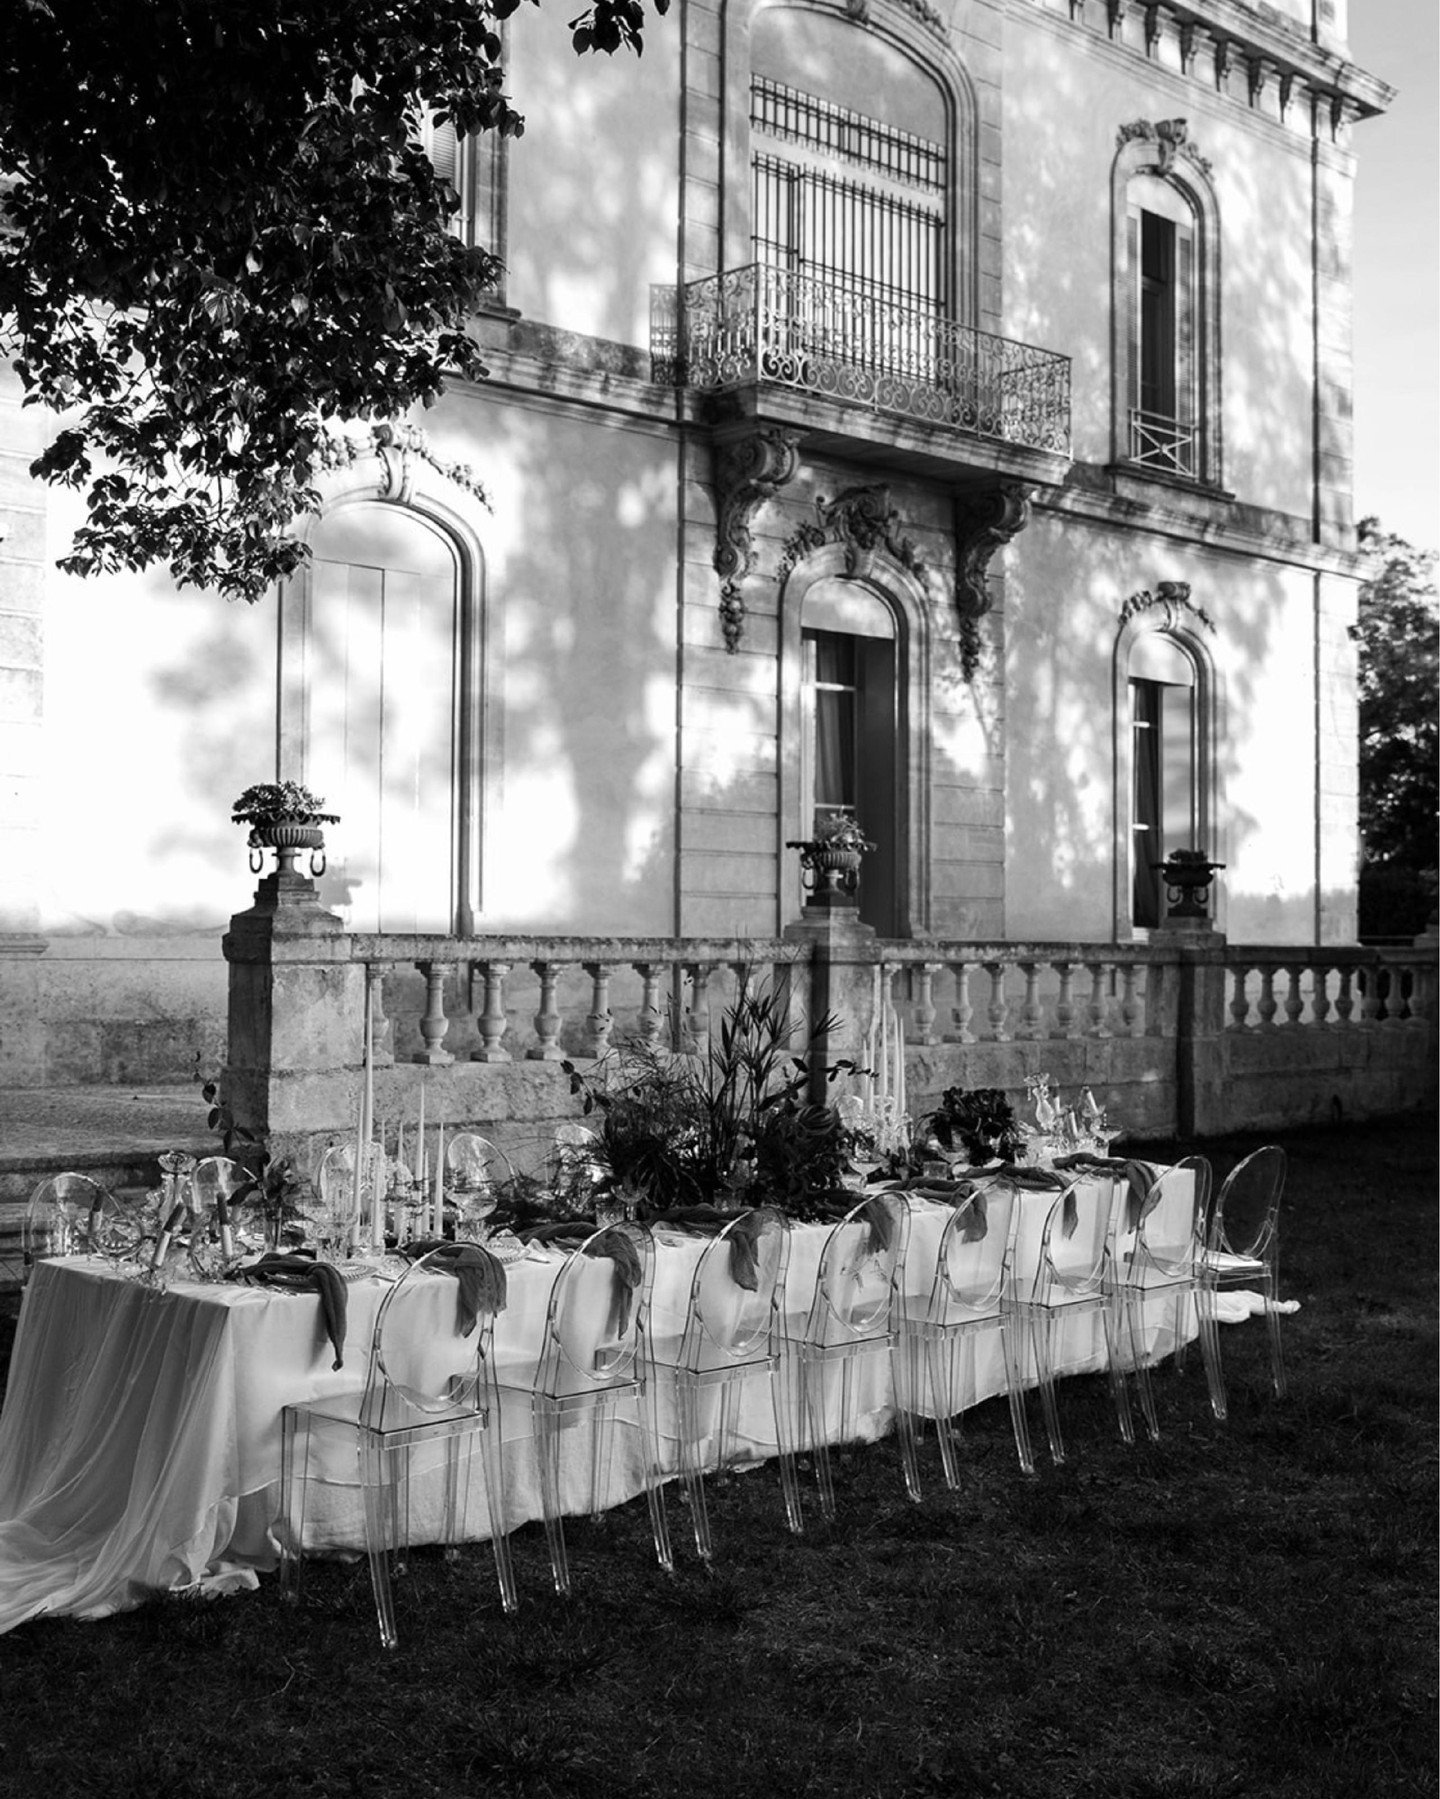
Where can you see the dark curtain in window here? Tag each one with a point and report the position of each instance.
(1146, 835)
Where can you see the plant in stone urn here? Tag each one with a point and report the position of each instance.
(830, 860)
(285, 817)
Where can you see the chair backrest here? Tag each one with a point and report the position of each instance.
(58, 1217)
(215, 1177)
(473, 1163)
(1169, 1233)
(738, 1284)
(1246, 1218)
(1074, 1252)
(423, 1362)
(859, 1265)
(598, 1313)
(977, 1248)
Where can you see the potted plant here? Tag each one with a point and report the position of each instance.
(830, 860)
(285, 817)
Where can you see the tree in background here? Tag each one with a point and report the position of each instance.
(1398, 633)
(222, 232)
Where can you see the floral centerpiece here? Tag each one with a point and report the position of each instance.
(980, 1121)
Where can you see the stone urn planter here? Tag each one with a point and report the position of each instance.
(284, 817)
(830, 864)
(1187, 875)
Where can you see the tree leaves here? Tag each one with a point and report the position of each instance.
(225, 234)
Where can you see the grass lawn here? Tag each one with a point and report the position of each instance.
(1247, 1609)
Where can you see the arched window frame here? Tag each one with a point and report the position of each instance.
(1163, 153)
(904, 597)
(893, 25)
(396, 476)
(1169, 621)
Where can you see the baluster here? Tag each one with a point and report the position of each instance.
(492, 1020)
(1099, 999)
(1032, 1015)
(434, 1024)
(1415, 1008)
(1345, 999)
(651, 1023)
(1294, 999)
(599, 1023)
(1320, 995)
(1370, 994)
(1130, 1010)
(962, 1011)
(1066, 1017)
(547, 1019)
(1267, 1007)
(697, 1016)
(998, 1009)
(382, 1029)
(924, 1011)
(1240, 1000)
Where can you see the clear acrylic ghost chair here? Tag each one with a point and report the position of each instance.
(61, 1217)
(473, 1167)
(1065, 1284)
(1157, 1255)
(971, 1299)
(430, 1381)
(849, 1332)
(733, 1340)
(1242, 1250)
(574, 1166)
(596, 1358)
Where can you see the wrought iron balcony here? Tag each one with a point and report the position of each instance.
(763, 326)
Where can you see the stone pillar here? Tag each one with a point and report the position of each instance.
(296, 1018)
(843, 957)
(1201, 1057)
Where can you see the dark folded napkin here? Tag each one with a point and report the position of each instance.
(709, 1221)
(301, 1274)
(881, 1221)
(1141, 1177)
(615, 1246)
(564, 1233)
(973, 1222)
(480, 1277)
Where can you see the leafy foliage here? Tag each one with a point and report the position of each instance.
(281, 802)
(1398, 633)
(225, 234)
(979, 1120)
(731, 1125)
(275, 1187)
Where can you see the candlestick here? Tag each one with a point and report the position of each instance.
(440, 1181)
(420, 1141)
(227, 1236)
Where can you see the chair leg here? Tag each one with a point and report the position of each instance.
(907, 1385)
(293, 1470)
(1042, 1325)
(942, 1352)
(490, 1446)
(783, 1404)
(547, 1436)
(687, 1404)
(1130, 1326)
(380, 1533)
(1272, 1322)
(1012, 1349)
(1210, 1348)
(654, 1479)
(1114, 1363)
(813, 1401)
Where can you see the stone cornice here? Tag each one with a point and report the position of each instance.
(1220, 38)
(1213, 523)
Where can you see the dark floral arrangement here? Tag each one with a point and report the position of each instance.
(281, 803)
(979, 1120)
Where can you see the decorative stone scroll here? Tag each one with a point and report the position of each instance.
(985, 521)
(398, 447)
(859, 11)
(748, 471)
(860, 519)
(1174, 596)
(1171, 138)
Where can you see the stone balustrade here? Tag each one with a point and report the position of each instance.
(1330, 989)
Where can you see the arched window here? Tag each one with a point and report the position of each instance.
(1166, 308)
(381, 699)
(1164, 764)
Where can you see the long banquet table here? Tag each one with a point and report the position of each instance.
(140, 1439)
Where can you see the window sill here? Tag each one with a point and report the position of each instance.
(1155, 477)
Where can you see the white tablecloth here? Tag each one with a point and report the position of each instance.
(140, 1440)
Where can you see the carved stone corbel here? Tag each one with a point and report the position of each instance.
(748, 471)
(986, 519)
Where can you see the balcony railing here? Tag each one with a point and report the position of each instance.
(1163, 443)
(766, 325)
